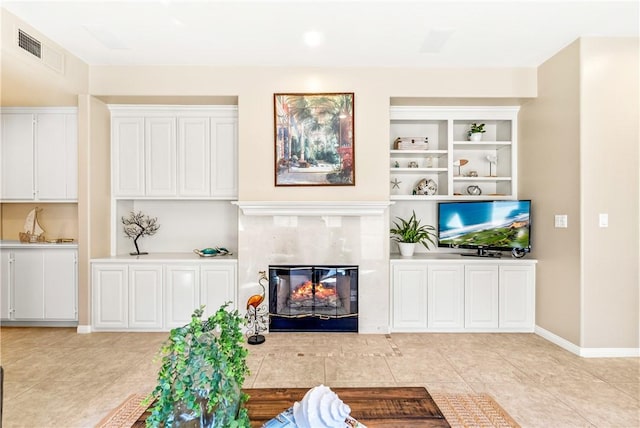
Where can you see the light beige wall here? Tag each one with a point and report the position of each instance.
(25, 81)
(549, 174)
(94, 194)
(57, 220)
(255, 87)
(610, 112)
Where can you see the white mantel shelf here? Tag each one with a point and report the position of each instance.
(313, 208)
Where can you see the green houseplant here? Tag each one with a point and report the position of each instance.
(476, 131)
(203, 368)
(412, 232)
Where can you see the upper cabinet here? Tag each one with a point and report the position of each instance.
(433, 157)
(39, 152)
(174, 152)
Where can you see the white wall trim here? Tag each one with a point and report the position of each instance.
(83, 329)
(587, 352)
(313, 208)
(609, 352)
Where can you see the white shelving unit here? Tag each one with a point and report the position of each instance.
(446, 130)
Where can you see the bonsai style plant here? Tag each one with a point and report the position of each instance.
(476, 131)
(407, 233)
(138, 225)
(203, 368)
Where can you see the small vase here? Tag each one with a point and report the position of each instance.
(406, 248)
(476, 136)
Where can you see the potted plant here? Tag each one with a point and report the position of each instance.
(408, 233)
(203, 368)
(476, 131)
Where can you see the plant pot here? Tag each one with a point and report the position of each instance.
(406, 248)
(221, 415)
(476, 136)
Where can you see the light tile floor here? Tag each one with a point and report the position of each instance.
(57, 378)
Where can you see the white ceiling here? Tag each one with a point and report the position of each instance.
(516, 33)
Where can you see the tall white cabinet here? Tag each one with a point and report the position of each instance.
(39, 154)
(180, 162)
(448, 293)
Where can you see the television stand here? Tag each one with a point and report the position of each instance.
(483, 253)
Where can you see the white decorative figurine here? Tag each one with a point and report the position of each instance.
(492, 161)
(320, 408)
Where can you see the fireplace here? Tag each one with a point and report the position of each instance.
(313, 298)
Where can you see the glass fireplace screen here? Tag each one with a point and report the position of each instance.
(313, 298)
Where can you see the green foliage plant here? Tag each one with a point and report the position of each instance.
(411, 231)
(203, 368)
(476, 129)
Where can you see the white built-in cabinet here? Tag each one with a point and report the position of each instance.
(182, 284)
(145, 297)
(39, 154)
(38, 284)
(481, 296)
(446, 129)
(174, 152)
(158, 295)
(448, 293)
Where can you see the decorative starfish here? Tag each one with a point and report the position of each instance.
(396, 183)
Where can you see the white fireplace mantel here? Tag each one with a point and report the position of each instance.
(312, 208)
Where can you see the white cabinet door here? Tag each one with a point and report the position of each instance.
(60, 285)
(28, 281)
(445, 296)
(181, 294)
(127, 141)
(224, 157)
(481, 296)
(56, 149)
(109, 285)
(160, 156)
(145, 296)
(409, 297)
(194, 148)
(517, 298)
(217, 287)
(6, 275)
(17, 153)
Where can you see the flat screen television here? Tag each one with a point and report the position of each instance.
(486, 225)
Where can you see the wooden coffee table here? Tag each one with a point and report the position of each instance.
(395, 407)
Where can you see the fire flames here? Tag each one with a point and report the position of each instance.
(305, 291)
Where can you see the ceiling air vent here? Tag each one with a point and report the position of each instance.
(29, 44)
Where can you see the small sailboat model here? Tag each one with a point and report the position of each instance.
(33, 232)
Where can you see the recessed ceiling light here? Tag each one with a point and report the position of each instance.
(313, 38)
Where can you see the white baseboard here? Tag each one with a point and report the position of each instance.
(83, 329)
(587, 352)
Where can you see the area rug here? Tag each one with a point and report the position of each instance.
(126, 414)
(473, 410)
(460, 410)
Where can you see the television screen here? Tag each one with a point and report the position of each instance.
(490, 225)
